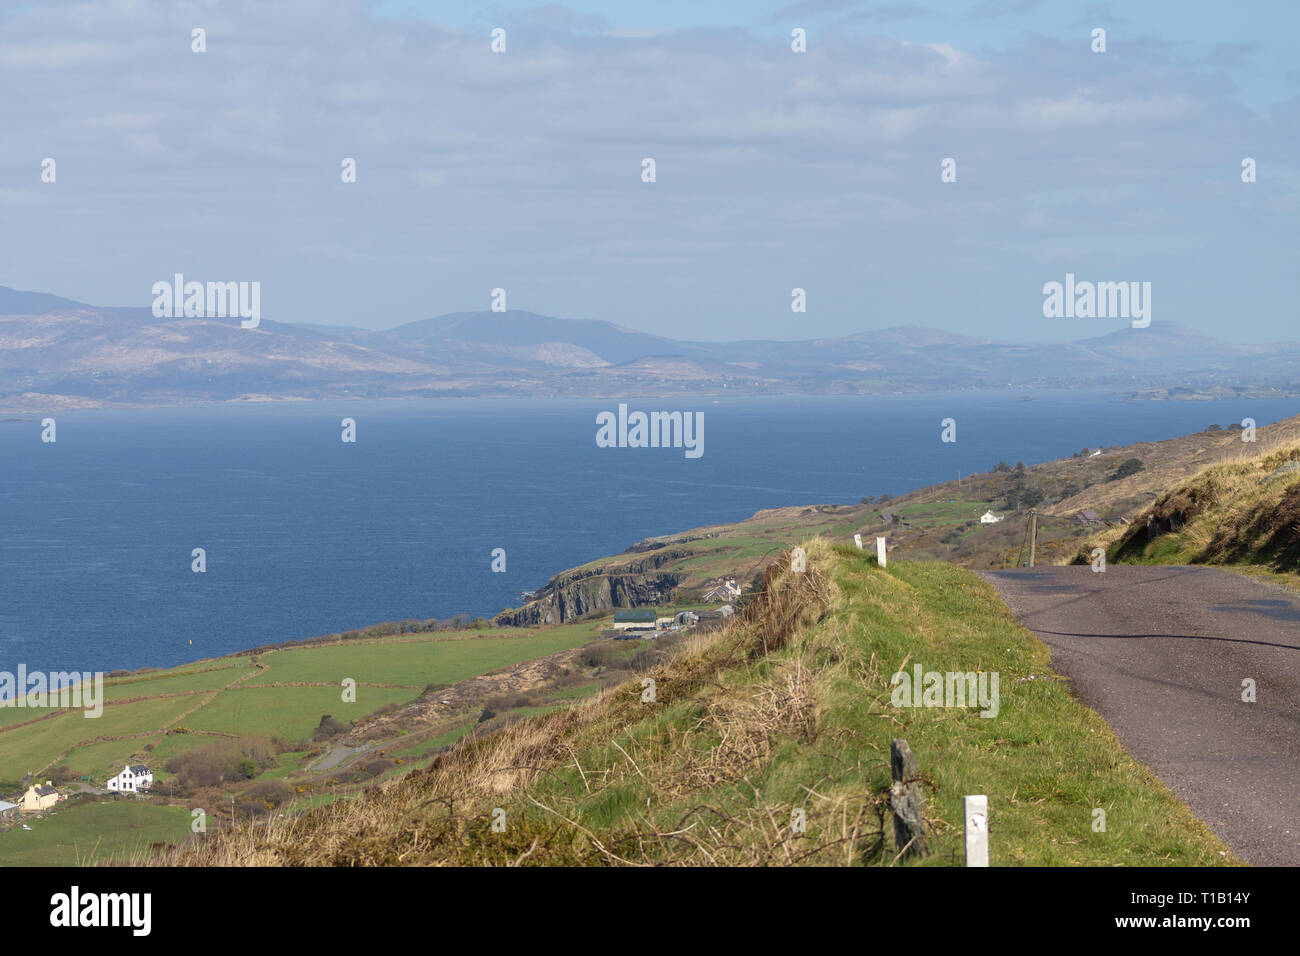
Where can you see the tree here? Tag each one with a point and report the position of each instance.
(1130, 466)
(1002, 466)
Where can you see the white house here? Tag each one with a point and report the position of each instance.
(131, 779)
(727, 589)
(989, 517)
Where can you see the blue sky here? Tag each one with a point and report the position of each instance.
(775, 170)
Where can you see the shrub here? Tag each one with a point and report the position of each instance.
(274, 792)
(222, 762)
(379, 765)
(329, 727)
(1130, 466)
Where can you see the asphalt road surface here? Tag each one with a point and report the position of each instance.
(1161, 653)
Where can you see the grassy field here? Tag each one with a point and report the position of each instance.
(416, 662)
(786, 710)
(82, 833)
(34, 747)
(291, 713)
(224, 696)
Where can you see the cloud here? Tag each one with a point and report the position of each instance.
(523, 170)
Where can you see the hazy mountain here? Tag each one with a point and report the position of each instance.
(56, 351)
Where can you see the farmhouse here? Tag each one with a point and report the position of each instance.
(989, 517)
(635, 620)
(727, 589)
(131, 779)
(40, 797)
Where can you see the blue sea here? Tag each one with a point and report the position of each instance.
(307, 535)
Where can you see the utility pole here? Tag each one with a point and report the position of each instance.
(1033, 534)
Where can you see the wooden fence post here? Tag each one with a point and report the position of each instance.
(907, 800)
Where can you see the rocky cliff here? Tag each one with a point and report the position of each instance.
(583, 591)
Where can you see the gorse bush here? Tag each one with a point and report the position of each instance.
(225, 762)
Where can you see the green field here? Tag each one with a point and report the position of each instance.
(172, 682)
(291, 712)
(417, 662)
(81, 833)
(36, 746)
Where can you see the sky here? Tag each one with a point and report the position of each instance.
(774, 169)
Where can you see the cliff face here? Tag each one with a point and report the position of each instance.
(576, 593)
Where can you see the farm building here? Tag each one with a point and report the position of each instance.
(989, 517)
(131, 779)
(40, 797)
(727, 589)
(635, 620)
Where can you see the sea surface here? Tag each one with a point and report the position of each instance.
(307, 535)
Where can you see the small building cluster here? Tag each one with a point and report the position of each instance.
(648, 623)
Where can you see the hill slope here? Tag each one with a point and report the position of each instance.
(938, 522)
(768, 743)
(1244, 512)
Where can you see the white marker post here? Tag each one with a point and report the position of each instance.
(857, 539)
(976, 811)
(880, 551)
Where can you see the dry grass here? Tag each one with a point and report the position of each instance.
(432, 815)
(1242, 512)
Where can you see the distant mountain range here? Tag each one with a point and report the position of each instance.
(58, 353)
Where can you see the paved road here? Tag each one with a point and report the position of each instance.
(337, 754)
(1160, 653)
